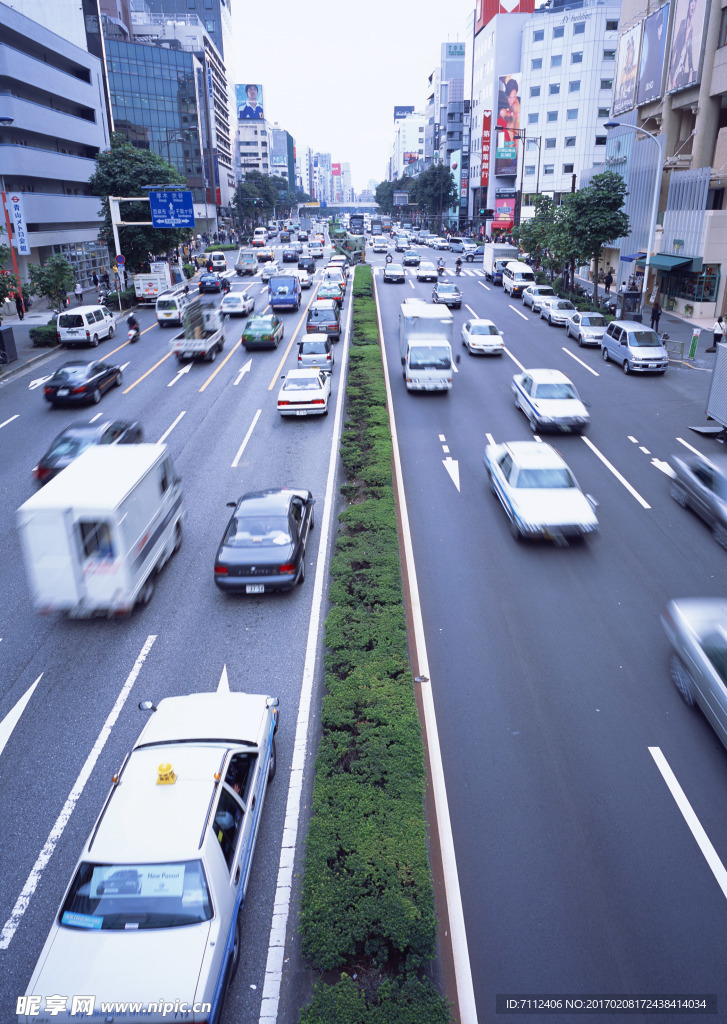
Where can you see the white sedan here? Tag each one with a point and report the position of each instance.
(271, 269)
(481, 336)
(305, 393)
(426, 271)
(549, 401)
(534, 293)
(238, 303)
(304, 278)
(154, 903)
(539, 493)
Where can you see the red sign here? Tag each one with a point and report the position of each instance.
(486, 141)
(336, 170)
(504, 214)
(487, 9)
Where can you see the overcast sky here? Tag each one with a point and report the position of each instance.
(333, 70)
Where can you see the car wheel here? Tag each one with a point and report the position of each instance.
(235, 956)
(96, 396)
(580, 341)
(212, 356)
(147, 590)
(682, 680)
(719, 532)
(679, 494)
(112, 330)
(119, 379)
(626, 367)
(604, 353)
(533, 424)
(177, 537)
(273, 762)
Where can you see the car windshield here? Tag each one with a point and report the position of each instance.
(137, 896)
(448, 289)
(555, 391)
(715, 648)
(257, 532)
(70, 445)
(302, 384)
(644, 339)
(483, 329)
(548, 479)
(596, 320)
(70, 320)
(430, 357)
(426, 266)
(260, 326)
(232, 300)
(395, 268)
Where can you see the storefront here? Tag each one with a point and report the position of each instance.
(689, 288)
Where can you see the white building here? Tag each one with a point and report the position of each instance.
(253, 139)
(408, 146)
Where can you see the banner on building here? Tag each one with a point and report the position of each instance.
(504, 214)
(249, 102)
(485, 10)
(686, 44)
(336, 170)
(651, 65)
(627, 66)
(17, 216)
(486, 141)
(401, 112)
(508, 124)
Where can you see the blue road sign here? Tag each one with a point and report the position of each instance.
(120, 260)
(172, 209)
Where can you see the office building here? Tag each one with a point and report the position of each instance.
(407, 156)
(283, 154)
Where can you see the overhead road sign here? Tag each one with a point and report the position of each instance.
(172, 209)
(401, 198)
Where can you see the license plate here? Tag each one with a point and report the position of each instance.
(300, 412)
(255, 588)
(62, 392)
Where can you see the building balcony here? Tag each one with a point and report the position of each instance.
(53, 123)
(19, 66)
(24, 161)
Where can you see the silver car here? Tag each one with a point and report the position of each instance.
(697, 631)
(586, 328)
(556, 311)
(701, 484)
(271, 269)
(316, 351)
(534, 293)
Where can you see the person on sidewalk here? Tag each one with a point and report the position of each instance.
(607, 282)
(655, 314)
(78, 292)
(718, 334)
(19, 305)
(95, 280)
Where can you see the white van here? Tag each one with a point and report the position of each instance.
(94, 538)
(635, 347)
(516, 277)
(170, 306)
(218, 260)
(85, 325)
(259, 236)
(316, 249)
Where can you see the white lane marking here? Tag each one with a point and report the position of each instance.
(179, 373)
(664, 467)
(632, 439)
(516, 361)
(224, 685)
(442, 437)
(689, 446)
(460, 953)
(245, 369)
(469, 273)
(485, 286)
(621, 479)
(242, 447)
(411, 284)
(452, 467)
(471, 310)
(580, 361)
(31, 884)
(15, 417)
(281, 903)
(13, 716)
(445, 449)
(96, 417)
(168, 431)
(38, 381)
(518, 311)
(644, 450)
(490, 439)
(695, 826)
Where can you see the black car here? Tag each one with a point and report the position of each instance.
(306, 263)
(81, 382)
(210, 282)
(302, 236)
(284, 236)
(324, 318)
(79, 436)
(411, 258)
(447, 294)
(263, 547)
(290, 254)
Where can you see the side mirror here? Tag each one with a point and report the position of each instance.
(458, 360)
(232, 504)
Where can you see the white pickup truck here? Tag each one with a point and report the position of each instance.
(203, 335)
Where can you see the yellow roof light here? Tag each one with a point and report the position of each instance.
(166, 776)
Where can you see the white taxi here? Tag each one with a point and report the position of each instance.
(480, 335)
(305, 393)
(549, 401)
(153, 910)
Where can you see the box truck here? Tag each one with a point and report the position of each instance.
(425, 346)
(494, 258)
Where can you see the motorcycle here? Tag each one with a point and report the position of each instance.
(458, 269)
(389, 258)
(134, 332)
(440, 270)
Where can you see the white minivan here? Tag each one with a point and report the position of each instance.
(635, 347)
(170, 306)
(85, 325)
(218, 260)
(516, 277)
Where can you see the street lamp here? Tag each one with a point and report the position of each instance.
(654, 202)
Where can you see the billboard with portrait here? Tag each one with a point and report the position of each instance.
(627, 67)
(508, 123)
(651, 65)
(686, 44)
(249, 101)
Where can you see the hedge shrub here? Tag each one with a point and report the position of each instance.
(128, 299)
(45, 335)
(367, 904)
(215, 247)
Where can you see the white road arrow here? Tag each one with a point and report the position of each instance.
(37, 383)
(13, 717)
(245, 369)
(223, 686)
(664, 467)
(185, 369)
(452, 467)
(123, 366)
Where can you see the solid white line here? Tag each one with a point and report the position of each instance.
(23, 900)
(460, 953)
(632, 439)
(471, 310)
(519, 312)
(580, 361)
(485, 286)
(281, 903)
(689, 446)
(695, 826)
(17, 414)
(616, 473)
(517, 362)
(242, 447)
(166, 433)
(13, 716)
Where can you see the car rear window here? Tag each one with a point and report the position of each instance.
(313, 348)
(257, 532)
(70, 320)
(322, 316)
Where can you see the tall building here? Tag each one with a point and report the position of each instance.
(283, 154)
(215, 16)
(54, 126)
(322, 177)
(407, 156)
(254, 143)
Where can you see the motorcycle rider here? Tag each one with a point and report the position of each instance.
(389, 257)
(133, 327)
(458, 265)
(440, 265)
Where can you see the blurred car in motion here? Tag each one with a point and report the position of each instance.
(77, 437)
(481, 336)
(549, 401)
(305, 393)
(534, 293)
(556, 311)
(586, 328)
(539, 493)
(411, 258)
(238, 303)
(700, 483)
(697, 631)
(447, 294)
(76, 382)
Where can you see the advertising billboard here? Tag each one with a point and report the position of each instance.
(627, 66)
(409, 158)
(486, 142)
(486, 10)
(504, 215)
(508, 123)
(651, 65)
(401, 112)
(336, 170)
(454, 50)
(249, 100)
(686, 44)
(400, 198)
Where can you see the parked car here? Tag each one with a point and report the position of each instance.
(700, 483)
(549, 401)
(305, 393)
(80, 435)
(76, 382)
(556, 311)
(535, 293)
(481, 336)
(586, 328)
(637, 348)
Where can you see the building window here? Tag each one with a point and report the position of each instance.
(536, 63)
(558, 31)
(572, 115)
(576, 57)
(529, 170)
(612, 26)
(722, 41)
(538, 35)
(549, 169)
(532, 118)
(556, 60)
(570, 141)
(574, 86)
(552, 116)
(568, 168)
(579, 29)
(550, 143)
(604, 112)
(554, 88)
(534, 90)
(609, 55)
(607, 83)
(600, 140)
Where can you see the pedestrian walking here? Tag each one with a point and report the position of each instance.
(718, 334)
(105, 280)
(608, 281)
(78, 292)
(95, 280)
(19, 305)
(655, 314)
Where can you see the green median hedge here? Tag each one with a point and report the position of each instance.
(219, 247)
(367, 908)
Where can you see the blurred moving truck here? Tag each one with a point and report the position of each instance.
(425, 346)
(96, 535)
(148, 287)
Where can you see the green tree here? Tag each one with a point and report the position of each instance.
(8, 280)
(596, 216)
(434, 191)
(536, 234)
(124, 170)
(53, 280)
(384, 193)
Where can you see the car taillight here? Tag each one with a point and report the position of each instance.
(40, 472)
(47, 391)
(88, 335)
(318, 401)
(283, 401)
(220, 570)
(328, 357)
(58, 335)
(287, 567)
(78, 391)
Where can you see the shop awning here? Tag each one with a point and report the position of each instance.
(634, 256)
(663, 262)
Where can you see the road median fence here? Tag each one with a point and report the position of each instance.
(367, 914)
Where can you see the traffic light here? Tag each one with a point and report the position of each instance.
(487, 214)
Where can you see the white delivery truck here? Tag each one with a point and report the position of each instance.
(148, 287)
(425, 346)
(494, 258)
(96, 535)
(203, 335)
